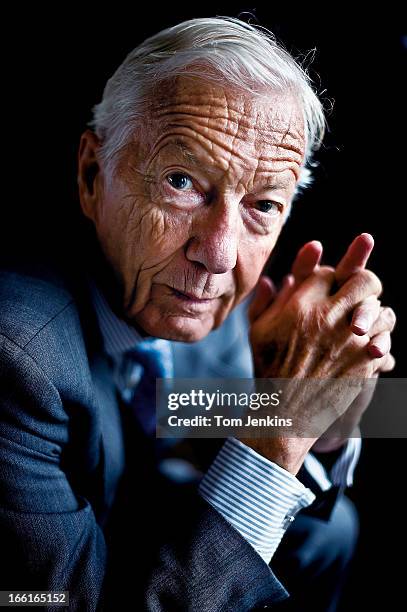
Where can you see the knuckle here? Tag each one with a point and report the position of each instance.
(319, 320)
(386, 363)
(368, 307)
(334, 352)
(374, 305)
(383, 342)
(326, 318)
(390, 317)
(299, 306)
(310, 319)
(342, 305)
(356, 343)
(371, 281)
(325, 270)
(326, 273)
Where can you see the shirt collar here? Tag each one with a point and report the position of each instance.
(118, 336)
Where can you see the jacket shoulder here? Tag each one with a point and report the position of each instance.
(31, 296)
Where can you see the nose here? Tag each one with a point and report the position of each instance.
(216, 236)
(215, 242)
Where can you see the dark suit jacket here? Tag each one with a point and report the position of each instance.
(83, 507)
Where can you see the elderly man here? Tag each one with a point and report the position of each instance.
(201, 141)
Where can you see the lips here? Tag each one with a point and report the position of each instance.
(191, 297)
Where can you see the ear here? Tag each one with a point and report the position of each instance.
(89, 174)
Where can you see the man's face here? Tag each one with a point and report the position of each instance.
(197, 204)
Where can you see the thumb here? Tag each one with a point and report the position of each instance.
(263, 296)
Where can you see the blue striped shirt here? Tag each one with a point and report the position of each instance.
(256, 496)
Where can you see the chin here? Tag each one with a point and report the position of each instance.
(176, 327)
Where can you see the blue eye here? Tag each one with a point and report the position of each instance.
(179, 181)
(268, 206)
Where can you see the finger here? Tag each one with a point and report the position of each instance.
(386, 321)
(364, 315)
(355, 257)
(318, 285)
(357, 288)
(308, 257)
(387, 363)
(287, 289)
(263, 296)
(305, 263)
(379, 345)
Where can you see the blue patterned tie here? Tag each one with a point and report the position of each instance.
(149, 359)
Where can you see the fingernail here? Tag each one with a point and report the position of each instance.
(316, 243)
(375, 350)
(368, 237)
(361, 324)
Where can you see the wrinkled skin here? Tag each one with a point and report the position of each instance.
(306, 335)
(208, 234)
(189, 219)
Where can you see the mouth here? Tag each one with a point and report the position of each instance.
(190, 298)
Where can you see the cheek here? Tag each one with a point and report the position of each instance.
(159, 233)
(152, 243)
(253, 255)
(139, 233)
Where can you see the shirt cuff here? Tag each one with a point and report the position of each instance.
(256, 496)
(343, 469)
(341, 473)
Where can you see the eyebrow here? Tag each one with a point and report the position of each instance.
(185, 152)
(190, 157)
(274, 185)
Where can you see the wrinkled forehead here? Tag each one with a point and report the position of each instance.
(218, 113)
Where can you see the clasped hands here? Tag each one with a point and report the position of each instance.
(324, 322)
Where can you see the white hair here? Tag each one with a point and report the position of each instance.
(225, 50)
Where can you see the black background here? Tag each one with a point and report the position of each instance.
(56, 64)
